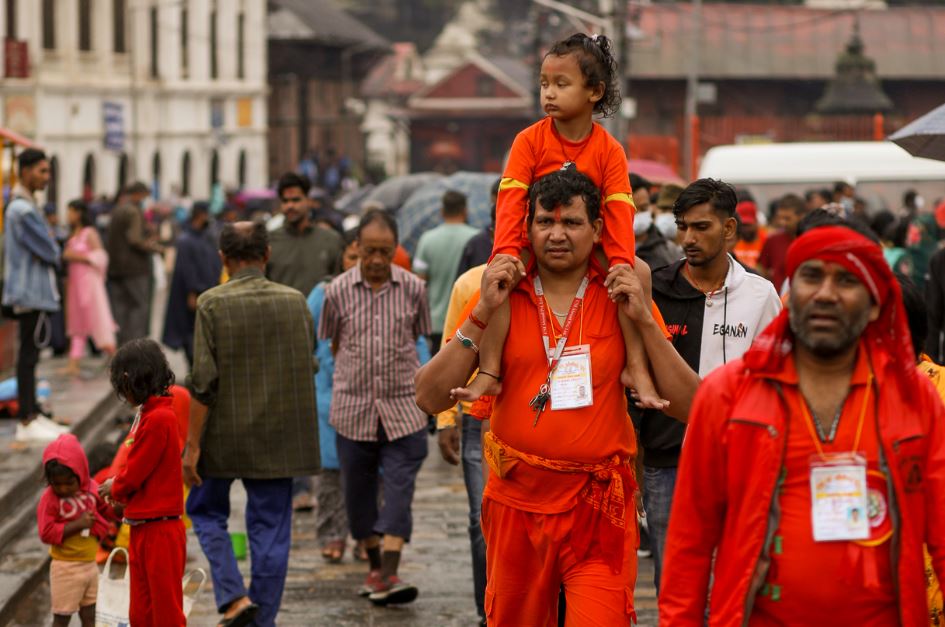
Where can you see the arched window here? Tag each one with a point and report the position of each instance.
(214, 65)
(52, 191)
(241, 173)
(214, 169)
(85, 25)
(88, 179)
(11, 19)
(49, 24)
(156, 174)
(122, 170)
(185, 174)
(119, 26)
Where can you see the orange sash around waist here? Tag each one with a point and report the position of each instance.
(601, 512)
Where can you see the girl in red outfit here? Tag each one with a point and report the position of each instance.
(578, 81)
(150, 486)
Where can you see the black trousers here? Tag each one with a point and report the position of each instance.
(26, 360)
(362, 463)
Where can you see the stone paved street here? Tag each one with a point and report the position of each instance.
(437, 561)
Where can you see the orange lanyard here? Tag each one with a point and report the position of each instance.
(809, 420)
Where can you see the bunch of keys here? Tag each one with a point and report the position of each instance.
(539, 401)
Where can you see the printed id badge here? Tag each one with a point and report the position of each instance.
(839, 497)
(571, 381)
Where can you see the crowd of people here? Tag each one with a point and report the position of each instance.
(757, 391)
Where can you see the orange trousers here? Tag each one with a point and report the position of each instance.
(528, 558)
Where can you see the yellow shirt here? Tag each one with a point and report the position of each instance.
(75, 548)
(464, 289)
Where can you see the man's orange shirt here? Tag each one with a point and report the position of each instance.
(588, 434)
(749, 252)
(540, 150)
(482, 409)
(807, 578)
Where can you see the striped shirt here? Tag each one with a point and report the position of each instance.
(375, 333)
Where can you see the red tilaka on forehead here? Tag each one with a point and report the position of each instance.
(558, 213)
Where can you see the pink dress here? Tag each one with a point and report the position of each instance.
(88, 313)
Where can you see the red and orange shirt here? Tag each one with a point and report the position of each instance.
(749, 252)
(588, 434)
(539, 150)
(806, 578)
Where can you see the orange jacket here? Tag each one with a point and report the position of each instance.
(724, 503)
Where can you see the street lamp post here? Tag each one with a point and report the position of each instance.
(690, 121)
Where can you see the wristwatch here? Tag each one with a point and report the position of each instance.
(466, 342)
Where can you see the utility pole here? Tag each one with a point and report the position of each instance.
(621, 50)
(692, 85)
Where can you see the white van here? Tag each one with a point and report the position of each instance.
(881, 172)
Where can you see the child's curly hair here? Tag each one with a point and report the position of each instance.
(595, 56)
(139, 371)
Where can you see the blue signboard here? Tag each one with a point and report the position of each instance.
(113, 116)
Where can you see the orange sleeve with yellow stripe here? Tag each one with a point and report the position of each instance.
(617, 208)
(511, 235)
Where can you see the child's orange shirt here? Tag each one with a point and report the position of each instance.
(539, 150)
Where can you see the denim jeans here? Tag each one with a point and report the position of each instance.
(268, 529)
(658, 484)
(472, 475)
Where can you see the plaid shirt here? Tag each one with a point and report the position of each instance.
(253, 369)
(375, 334)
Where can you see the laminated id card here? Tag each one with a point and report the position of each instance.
(839, 497)
(571, 382)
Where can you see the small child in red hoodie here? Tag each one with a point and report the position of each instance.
(71, 516)
(150, 486)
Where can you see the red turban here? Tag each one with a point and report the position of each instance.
(863, 258)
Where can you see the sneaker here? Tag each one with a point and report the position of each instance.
(35, 431)
(372, 584)
(52, 425)
(393, 590)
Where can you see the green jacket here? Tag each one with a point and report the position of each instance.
(253, 368)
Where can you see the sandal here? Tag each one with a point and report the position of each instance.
(334, 551)
(242, 618)
(360, 551)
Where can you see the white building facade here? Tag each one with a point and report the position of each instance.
(170, 92)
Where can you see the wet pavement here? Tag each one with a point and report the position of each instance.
(437, 560)
(319, 594)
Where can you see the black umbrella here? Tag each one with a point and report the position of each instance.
(395, 191)
(924, 137)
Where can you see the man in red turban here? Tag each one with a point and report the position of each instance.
(814, 468)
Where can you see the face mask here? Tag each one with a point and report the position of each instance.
(666, 223)
(919, 202)
(642, 222)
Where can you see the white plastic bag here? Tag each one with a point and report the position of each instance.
(189, 600)
(114, 595)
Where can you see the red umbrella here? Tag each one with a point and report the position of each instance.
(654, 171)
